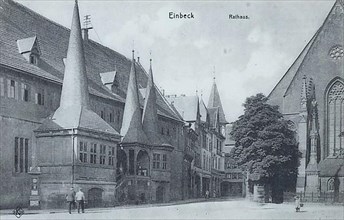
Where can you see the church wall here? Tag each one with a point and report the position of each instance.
(318, 65)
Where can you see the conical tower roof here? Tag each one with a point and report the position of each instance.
(203, 111)
(132, 130)
(150, 113)
(215, 101)
(74, 110)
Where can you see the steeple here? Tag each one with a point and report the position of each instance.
(150, 112)
(132, 130)
(150, 120)
(74, 110)
(75, 90)
(215, 101)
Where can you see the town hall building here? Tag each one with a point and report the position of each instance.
(74, 113)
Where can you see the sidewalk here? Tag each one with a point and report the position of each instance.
(90, 210)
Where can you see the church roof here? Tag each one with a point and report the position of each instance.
(215, 101)
(315, 61)
(18, 22)
(187, 106)
(331, 167)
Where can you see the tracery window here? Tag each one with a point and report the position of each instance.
(335, 119)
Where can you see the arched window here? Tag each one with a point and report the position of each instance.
(330, 185)
(335, 118)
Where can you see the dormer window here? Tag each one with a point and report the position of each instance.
(30, 50)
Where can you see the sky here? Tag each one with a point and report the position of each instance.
(246, 56)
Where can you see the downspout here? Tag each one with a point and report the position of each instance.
(73, 159)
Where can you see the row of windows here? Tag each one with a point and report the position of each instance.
(206, 162)
(234, 176)
(21, 155)
(91, 151)
(231, 166)
(216, 163)
(21, 91)
(110, 117)
(160, 159)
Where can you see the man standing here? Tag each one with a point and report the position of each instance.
(80, 198)
(70, 197)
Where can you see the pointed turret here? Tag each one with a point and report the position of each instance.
(132, 130)
(74, 110)
(203, 111)
(312, 171)
(149, 119)
(75, 91)
(215, 101)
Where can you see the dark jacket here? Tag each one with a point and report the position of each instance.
(70, 196)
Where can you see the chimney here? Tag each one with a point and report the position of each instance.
(85, 34)
(87, 26)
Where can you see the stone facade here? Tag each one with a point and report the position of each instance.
(310, 94)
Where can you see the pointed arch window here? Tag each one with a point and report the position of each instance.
(335, 119)
(330, 185)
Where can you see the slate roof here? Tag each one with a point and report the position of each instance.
(88, 120)
(187, 106)
(150, 113)
(313, 62)
(284, 84)
(19, 22)
(331, 167)
(74, 110)
(213, 116)
(203, 111)
(215, 101)
(132, 130)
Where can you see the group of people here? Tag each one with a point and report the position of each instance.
(78, 198)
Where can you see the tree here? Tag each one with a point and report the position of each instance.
(265, 146)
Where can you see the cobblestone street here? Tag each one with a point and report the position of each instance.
(241, 209)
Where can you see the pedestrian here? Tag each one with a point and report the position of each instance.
(70, 197)
(297, 203)
(80, 199)
(207, 194)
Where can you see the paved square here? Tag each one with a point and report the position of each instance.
(203, 210)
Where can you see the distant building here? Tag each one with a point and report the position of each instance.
(233, 183)
(205, 127)
(311, 95)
